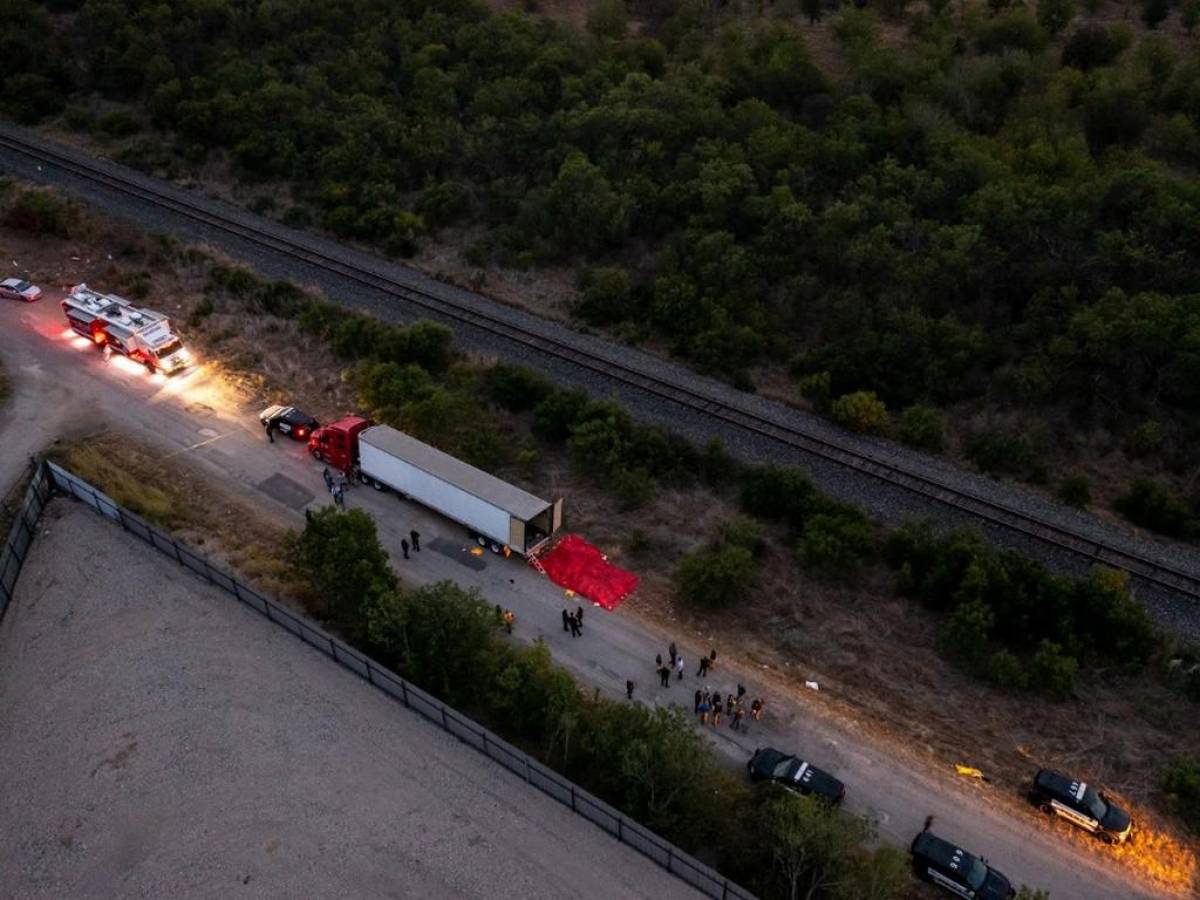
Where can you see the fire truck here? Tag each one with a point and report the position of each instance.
(113, 323)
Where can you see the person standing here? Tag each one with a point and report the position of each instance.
(703, 667)
(664, 676)
(738, 714)
(579, 616)
(270, 426)
(416, 541)
(628, 690)
(703, 710)
(657, 660)
(328, 479)
(699, 697)
(729, 705)
(756, 709)
(339, 496)
(679, 667)
(566, 623)
(741, 691)
(508, 620)
(671, 651)
(404, 547)
(574, 623)
(716, 709)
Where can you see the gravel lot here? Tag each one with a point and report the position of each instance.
(161, 740)
(885, 502)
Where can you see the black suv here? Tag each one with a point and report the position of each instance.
(1057, 794)
(290, 421)
(956, 870)
(794, 774)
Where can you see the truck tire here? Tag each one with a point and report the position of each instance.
(494, 547)
(318, 455)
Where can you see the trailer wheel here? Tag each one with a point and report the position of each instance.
(481, 540)
(378, 485)
(494, 547)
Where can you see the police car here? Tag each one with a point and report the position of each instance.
(794, 774)
(957, 871)
(290, 421)
(1076, 801)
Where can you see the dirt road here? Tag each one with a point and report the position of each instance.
(62, 388)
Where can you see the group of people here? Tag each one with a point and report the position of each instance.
(573, 622)
(675, 663)
(336, 486)
(709, 707)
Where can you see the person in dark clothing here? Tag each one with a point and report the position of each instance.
(928, 823)
(566, 621)
(671, 650)
(738, 714)
(629, 690)
(741, 691)
(657, 658)
(574, 623)
(729, 705)
(270, 425)
(579, 616)
(664, 676)
(328, 479)
(416, 540)
(703, 667)
(699, 697)
(404, 547)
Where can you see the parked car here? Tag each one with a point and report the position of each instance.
(793, 773)
(961, 873)
(17, 289)
(1076, 801)
(290, 421)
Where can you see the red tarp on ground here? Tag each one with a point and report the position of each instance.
(576, 564)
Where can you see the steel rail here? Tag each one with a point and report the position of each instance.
(989, 511)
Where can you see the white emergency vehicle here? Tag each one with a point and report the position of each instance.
(114, 323)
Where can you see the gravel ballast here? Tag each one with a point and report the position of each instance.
(161, 740)
(885, 502)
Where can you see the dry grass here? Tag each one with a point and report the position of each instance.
(178, 498)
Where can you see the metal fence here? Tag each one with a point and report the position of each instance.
(51, 476)
(20, 535)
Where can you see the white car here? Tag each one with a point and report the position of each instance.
(16, 289)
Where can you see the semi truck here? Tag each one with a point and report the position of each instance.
(499, 516)
(112, 322)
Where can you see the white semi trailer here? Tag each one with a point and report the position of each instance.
(498, 515)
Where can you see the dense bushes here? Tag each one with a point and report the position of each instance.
(38, 211)
(1152, 506)
(1011, 620)
(928, 226)
(1180, 784)
(647, 761)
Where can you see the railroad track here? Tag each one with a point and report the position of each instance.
(447, 308)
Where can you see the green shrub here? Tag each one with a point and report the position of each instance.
(517, 388)
(816, 389)
(606, 295)
(1002, 452)
(338, 555)
(119, 123)
(1014, 29)
(1055, 15)
(1052, 672)
(1091, 46)
(1005, 670)
(777, 493)
(1180, 786)
(967, 633)
(861, 411)
(741, 531)
(1146, 439)
(38, 211)
(837, 543)
(1075, 490)
(923, 427)
(634, 488)
(1150, 505)
(716, 577)
(444, 202)
(555, 416)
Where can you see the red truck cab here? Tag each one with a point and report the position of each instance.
(337, 442)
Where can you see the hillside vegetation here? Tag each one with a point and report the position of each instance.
(995, 212)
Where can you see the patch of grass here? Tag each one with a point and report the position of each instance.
(106, 473)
